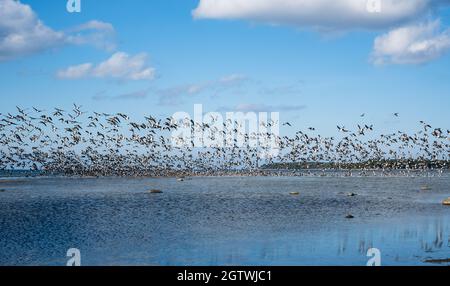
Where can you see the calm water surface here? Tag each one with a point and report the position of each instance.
(224, 221)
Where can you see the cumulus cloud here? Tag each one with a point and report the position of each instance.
(325, 14)
(406, 43)
(413, 44)
(22, 33)
(119, 66)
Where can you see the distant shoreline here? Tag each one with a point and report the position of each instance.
(369, 165)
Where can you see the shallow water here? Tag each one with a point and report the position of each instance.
(224, 220)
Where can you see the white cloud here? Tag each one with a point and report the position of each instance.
(323, 14)
(414, 44)
(96, 33)
(95, 25)
(119, 66)
(75, 72)
(22, 33)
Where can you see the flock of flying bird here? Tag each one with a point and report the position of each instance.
(78, 143)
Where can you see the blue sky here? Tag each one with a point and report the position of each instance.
(314, 72)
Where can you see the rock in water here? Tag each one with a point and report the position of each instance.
(446, 202)
(155, 192)
(351, 194)
(349, 216)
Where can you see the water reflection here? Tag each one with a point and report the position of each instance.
(223, 221)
